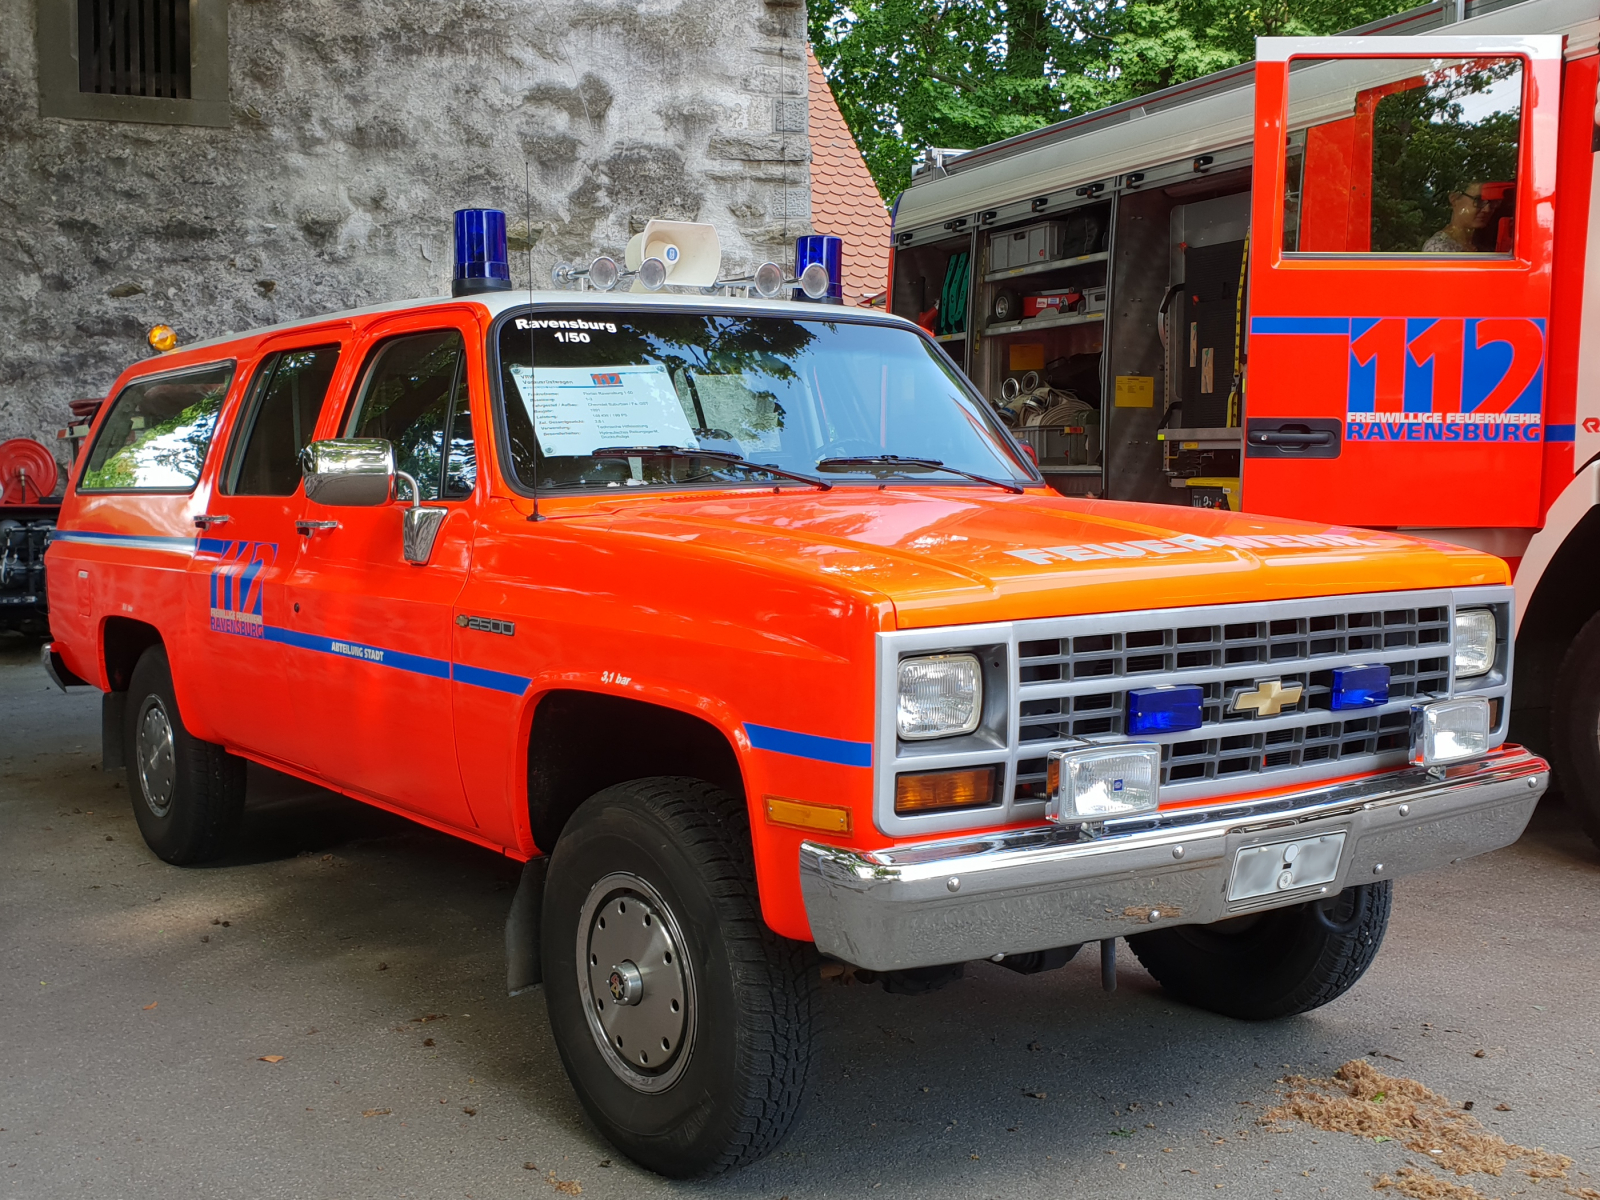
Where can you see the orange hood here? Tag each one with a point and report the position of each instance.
(958, 556)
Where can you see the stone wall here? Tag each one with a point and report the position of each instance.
(358, 126)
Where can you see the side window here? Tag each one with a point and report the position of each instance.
(414, 394)
(158, 431)
(282, 413)
(1420, 158)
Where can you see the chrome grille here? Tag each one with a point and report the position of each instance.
(1057, 679)
(1289, 649)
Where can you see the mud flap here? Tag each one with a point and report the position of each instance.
(113, 709)
(523, 970)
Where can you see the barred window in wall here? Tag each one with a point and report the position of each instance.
(134, 48)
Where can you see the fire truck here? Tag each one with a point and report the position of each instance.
(1347, 282)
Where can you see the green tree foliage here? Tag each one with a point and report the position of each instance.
(963, 73)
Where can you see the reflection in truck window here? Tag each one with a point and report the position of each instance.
(771, 390)
(1421, 160)
(414, 396)
(157, 433)
(288, 396)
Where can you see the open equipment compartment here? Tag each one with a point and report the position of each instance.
(931, 283)
(1040, 310)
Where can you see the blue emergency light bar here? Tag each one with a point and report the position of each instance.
(828, 250)
(1164, 709)
(482, 262)
(1359, 687)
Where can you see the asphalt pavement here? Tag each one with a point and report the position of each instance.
(323, 1014)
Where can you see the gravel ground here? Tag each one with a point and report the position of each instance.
(139, 1001)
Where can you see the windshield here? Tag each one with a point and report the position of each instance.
(624, 398)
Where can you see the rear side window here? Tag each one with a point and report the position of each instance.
(282, 414)
(158, 431)
(415, 396)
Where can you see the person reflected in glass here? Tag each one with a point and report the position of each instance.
(1470, 212)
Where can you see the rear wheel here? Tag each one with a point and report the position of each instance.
(1575, 726)
(186, 793)
(684, 1022)
(1271, 964)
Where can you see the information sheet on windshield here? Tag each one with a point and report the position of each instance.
(577, 410)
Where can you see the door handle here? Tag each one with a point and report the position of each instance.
(307, 528)
(1281, 438)
(207, 520)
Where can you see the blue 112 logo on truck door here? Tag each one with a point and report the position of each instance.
(1445, 379)
(236, 587)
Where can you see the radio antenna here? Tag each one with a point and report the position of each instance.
(533, 403)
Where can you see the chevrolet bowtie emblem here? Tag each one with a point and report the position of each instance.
(1269, 698)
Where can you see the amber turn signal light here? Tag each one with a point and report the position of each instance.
(935, 791)
(825, 818)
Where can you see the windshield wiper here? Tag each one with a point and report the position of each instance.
(722, 456)
(932, 464)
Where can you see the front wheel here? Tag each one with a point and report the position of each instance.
(187, 794)
(1271, 964)
(1575, 724)
(683, 1022)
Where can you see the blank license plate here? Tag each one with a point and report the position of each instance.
(1285, 866)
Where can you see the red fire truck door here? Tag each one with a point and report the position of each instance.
(1401, 237)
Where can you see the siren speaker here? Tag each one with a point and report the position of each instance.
(691, 251)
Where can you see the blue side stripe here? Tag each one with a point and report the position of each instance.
(417, 664)
(136, 541)
(809, 745)
(1330, 326)
(1560, 433)
(498, 681)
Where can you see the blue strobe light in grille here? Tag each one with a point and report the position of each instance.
(1359, 687)
(1164, 709)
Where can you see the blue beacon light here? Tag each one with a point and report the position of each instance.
(482, 262)
(1359, 687)
(827, 249)
(1164, 709)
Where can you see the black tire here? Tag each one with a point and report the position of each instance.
(1575, 727)
(1007, 306)
(728, 1088)
(1272, 964)
(186, 793)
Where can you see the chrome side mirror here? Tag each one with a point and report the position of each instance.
(349, 472)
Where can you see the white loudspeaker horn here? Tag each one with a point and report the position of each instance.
(690, 250)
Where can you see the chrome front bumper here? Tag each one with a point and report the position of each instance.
(965, 898)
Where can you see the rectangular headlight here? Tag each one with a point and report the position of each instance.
(941, 695)
(1475, 641)
(1102, 781)
(1448, 731)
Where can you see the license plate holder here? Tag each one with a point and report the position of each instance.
(1285, 866)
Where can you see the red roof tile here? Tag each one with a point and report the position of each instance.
(844, 200)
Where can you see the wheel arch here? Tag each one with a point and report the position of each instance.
(582, 741)
(1561, 599)
(122, 641)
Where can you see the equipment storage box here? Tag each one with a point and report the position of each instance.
(1026, 246)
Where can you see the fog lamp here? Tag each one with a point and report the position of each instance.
(1449, 731)
(1102, 781)
(940, 791)
(1475, 641)
(940, 696)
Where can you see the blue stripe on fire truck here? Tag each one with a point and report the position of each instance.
(809, 745)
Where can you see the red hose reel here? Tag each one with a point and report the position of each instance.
(28, 472)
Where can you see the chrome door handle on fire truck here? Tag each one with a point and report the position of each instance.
(307, 528)
(207, 520)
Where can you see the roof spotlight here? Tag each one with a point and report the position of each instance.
(814, 281)
(652, 275)
(768, 280)
(604, 273)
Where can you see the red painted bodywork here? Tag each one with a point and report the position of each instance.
(738, 605)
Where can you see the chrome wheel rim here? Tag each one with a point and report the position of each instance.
(636, 982)
(156, 756)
